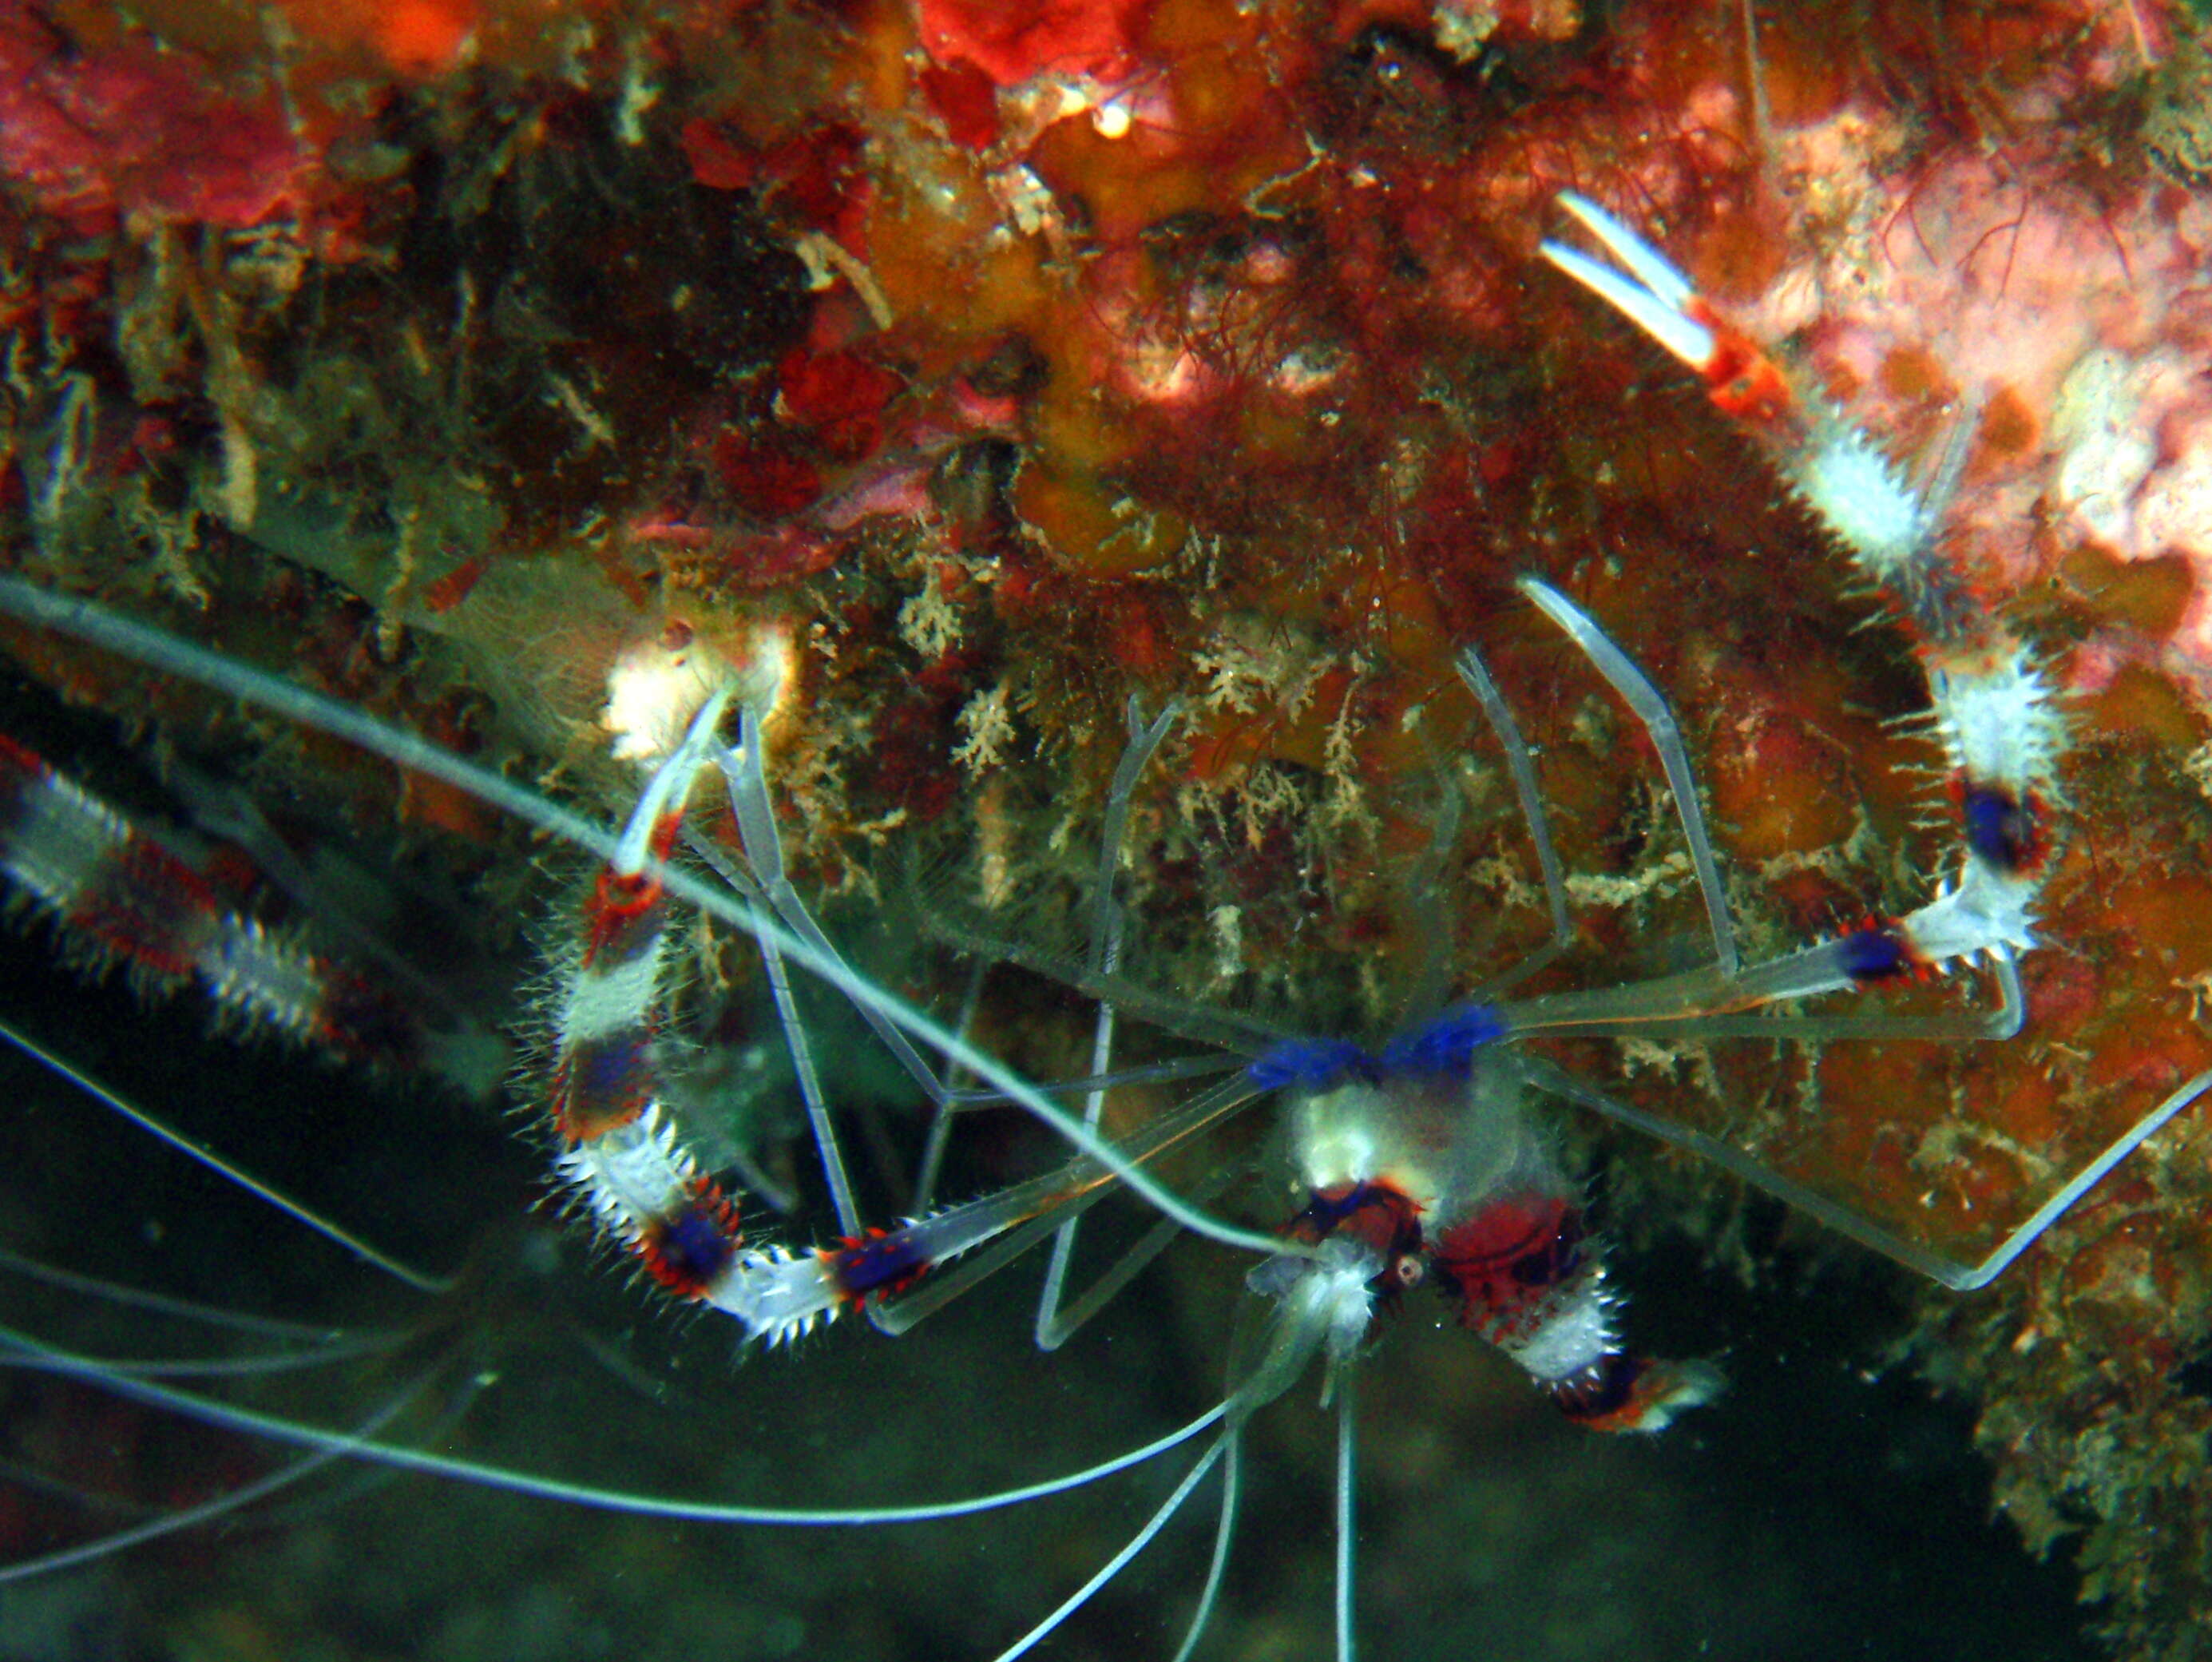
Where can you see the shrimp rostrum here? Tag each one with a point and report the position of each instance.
(1413, 1164)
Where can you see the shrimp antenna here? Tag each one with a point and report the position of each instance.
(154, 1126)
(159, 650)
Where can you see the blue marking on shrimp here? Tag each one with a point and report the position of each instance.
(1879, 953)
(2001, 828)
(888, 1261)
(1444, 1044)
(1310, 1063)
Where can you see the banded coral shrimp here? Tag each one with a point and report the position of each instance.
(836, 1396)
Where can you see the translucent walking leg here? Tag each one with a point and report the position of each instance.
(1103, 959)
(1707, 1004)
(1078, 1186)
(1649, 707)
(944, 1113)
(1431, 916)
(1150, 1073)
(1162, 1234)
(1499, 714)
(1224, 1030)
(1843, 1220)
(815, 1101)
(745, 770)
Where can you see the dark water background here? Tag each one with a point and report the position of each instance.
(1826, 1507)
